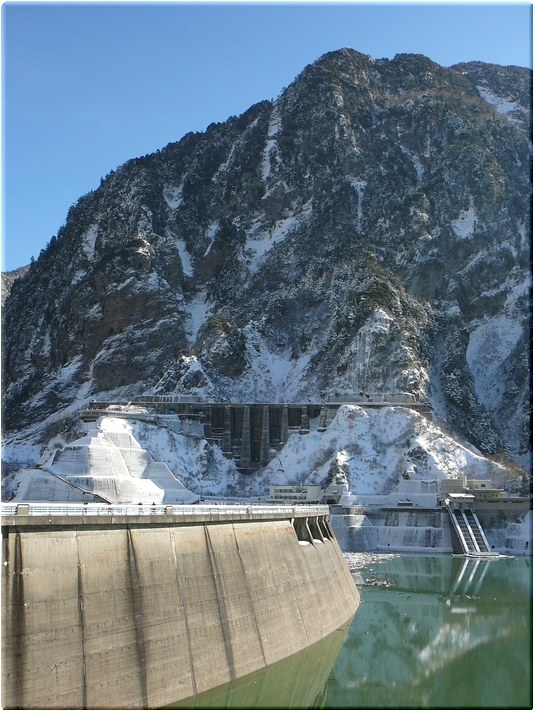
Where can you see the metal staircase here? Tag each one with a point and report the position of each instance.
(469, 533)
(477, 530)
(468, 541)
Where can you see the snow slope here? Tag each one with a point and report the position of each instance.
(371, 449)
(374, 449)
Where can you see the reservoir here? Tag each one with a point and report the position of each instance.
(436, 632)
(431, 632)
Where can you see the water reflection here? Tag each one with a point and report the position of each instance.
(437, 632)
(297, 682)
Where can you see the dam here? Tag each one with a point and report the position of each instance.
(138, 607)
(248, 433)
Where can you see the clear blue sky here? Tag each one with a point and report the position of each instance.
(88, 86)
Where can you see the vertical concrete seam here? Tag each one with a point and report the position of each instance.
(249, 596)
(293, 589)
(181, 594)
(264, 438)
(82, 622)
(19, 626)
(222, 608)
(310, 535)
(245, 456)
(138, 619)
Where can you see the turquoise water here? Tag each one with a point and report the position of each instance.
(437, 632)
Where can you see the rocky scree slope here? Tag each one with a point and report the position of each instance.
(368, 231)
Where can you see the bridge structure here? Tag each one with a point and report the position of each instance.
(248, 433)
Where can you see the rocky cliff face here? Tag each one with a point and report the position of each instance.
(368, 231)
(8, 278)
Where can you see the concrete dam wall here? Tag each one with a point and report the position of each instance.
(248, 433)
(130, 612)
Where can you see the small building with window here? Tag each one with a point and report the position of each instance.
(295, 494)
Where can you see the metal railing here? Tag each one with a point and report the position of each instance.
(372, 398)
(166, 398)
(61, 510)
(360, 397)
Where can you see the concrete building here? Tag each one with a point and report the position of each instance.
(450, 515)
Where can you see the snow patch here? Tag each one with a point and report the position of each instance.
(78, 276)
(524, 237)
(260, 243)
(502, 106)
(89, 240)
(71, 368)
(464, 225)
(15, 452)
(489, 346)
(518, 290)
(360, 187)
(275, 374)
(339, 99)
(415, 159)
(273, 130)
(230, 158)
(427, 149)
(200, 309)
(378, 324)
(173, 195)
(210, 234)
(185, 258)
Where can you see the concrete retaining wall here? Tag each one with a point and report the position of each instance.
(140, 613)
(390, 529)
(415, 529)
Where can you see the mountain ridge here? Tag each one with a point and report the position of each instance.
(367, 230)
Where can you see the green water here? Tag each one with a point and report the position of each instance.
(431, 632)
(297, 682)
(437, 632)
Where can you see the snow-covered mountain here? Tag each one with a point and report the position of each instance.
(369, 230)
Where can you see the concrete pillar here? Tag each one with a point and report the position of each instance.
(331, 414)
(245, 456)
(284, 424)
(323, 420)
(208, 422)
(264, 445)
(305, 423)
(226, 442)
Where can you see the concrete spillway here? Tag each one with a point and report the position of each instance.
(393, 529)
(127, 612)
